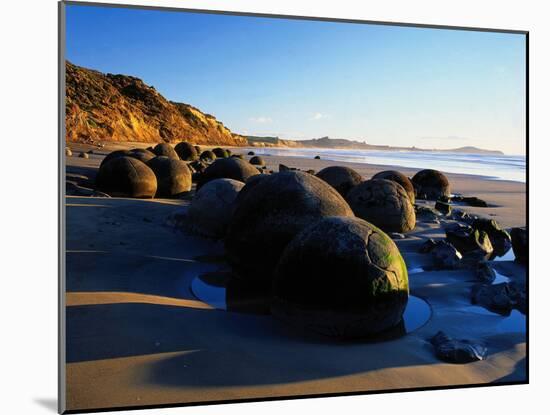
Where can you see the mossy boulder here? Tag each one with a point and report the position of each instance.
(173, 176)
(384, 203)
(220, 152)
(165, 149)
(126, 177)
(399, 178)
(186, 151)
(208, 155)
(343, 179)
(431, 184)
(211, 208)
(269, 212)
(341, 277)
(257, 161)
(228, 168)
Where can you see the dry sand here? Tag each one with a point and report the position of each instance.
(136, 335)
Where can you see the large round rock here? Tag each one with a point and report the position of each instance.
(383, 203)
(431, 184)
(228, 168)
(207, 155)
(141, 154)
(341, 277)
(211, 208)
(269, 212)
(186, 151)
(257, 161)
(341, 178)
(115, 154)
(165, 149)
(220, 152)
(173, 176)
(126, 177)
(399, 178)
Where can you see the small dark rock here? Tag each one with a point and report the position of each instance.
(499, 298)
(426, 214)
(251, 153)
(452, 350)
(485, 273)
(427, 246)
(519, 244)
(317, 157)
(443, 207)
(445, 256)
(396, 235)
(470, 201)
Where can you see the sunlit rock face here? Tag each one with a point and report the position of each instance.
(341, 277)
(173, 176)
(228, 168)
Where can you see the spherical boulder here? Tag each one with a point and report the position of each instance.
(126, 177)
(228, 168)
(400, 178)
(84, 155)
(341, 178)
(141, 154)
(383, 203)
(186, 151)
(341, 277)
(165, 149)
(211, 208)
(173, 176)
(257, 161)
(115, 154)
(269, 212)
(68, 152)
(208, 155)
(431, 184)
(198, 149)
(220, 152)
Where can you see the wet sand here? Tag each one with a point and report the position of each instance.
(136, 335)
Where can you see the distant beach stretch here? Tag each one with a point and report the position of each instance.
(501, 167)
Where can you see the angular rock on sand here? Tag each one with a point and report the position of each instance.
(165, 149)
(343, 179)
(126, 177)
(212, 206)
(341, 277)
(186, 151)
(270, 212)
(173, 176)
(383, 203)
(457, 351)
(228, 168)
(443, 207)
(500, 239)
(467, 239)
(400, 178)
(431, 184)
(445, 255)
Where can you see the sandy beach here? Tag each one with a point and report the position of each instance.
(137, 336)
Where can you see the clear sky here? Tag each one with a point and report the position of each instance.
(391, 85)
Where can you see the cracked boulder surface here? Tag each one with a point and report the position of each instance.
(399, 178)
(342, 277)
(384, 203)
(270, 212)
(342, 178)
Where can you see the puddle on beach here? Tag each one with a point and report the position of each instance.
(224, 292)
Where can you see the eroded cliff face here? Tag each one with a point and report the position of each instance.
(107, 107)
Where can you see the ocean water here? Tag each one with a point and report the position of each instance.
(498, 167)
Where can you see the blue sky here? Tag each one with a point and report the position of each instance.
(392, 85)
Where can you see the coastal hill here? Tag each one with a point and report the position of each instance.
(123, 108)
(340, 143)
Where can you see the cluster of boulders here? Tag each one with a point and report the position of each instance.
(163, 171)
(292, 233)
